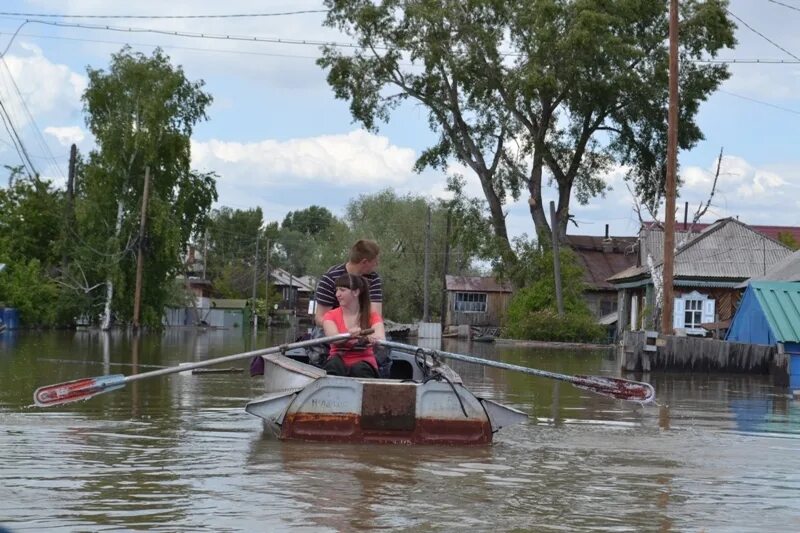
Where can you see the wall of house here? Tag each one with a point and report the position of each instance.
(496, 306)
(601, 303)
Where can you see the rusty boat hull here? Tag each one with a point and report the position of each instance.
(302, 402)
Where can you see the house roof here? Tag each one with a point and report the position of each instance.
(780, 302)
(476, 284)
(725, 250)
(223, 303)
(601, 258)
(284, 278)
(773, 232)
(787, 269)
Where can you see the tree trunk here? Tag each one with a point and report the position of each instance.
(106, 323)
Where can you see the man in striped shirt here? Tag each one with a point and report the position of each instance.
(363, 261)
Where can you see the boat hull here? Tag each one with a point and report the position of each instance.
(341, 409)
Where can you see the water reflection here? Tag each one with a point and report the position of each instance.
(178, 453)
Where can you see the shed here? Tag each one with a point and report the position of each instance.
(476, 301)
(770, 314)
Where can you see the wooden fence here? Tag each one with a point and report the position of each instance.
(697, 354)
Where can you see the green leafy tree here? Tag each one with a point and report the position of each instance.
(522, 92)
(788, 240)
(142, 112)
(311, 240)
(532, 312)
(398, 225)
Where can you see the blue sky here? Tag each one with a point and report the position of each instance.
(279, 140)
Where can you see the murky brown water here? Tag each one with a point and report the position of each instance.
(179, 453)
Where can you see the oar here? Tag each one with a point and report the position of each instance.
(83, 389)
(621, 389)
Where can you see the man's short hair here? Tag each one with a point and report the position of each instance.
(364, 249)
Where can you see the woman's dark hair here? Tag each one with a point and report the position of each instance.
(356, 282)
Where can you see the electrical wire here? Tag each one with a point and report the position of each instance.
(156, 17)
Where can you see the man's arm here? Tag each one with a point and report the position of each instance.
(320, 312)
(377, 307)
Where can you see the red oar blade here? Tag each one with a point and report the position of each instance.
(621, 389)
(77, 390)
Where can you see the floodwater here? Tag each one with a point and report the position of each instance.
(178, 453)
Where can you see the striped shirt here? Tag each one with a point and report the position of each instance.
(326, 287)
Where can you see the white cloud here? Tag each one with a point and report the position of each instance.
(47, 87)
(66, 135)
(356, 158)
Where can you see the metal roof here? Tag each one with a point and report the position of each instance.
(476, 284)
(601, 258)
(725, 250)
(284, 278)
(786, 270)
(780, 302)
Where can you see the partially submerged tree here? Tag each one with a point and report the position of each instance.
(525, 91)
(142, 112)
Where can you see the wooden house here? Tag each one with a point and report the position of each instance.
(709, 269)
(601, 258)
(296, 293)
(476, 301)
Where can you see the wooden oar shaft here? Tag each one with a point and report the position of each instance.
(481, 361)
(85, 388)
(237, 356)
(616, 387)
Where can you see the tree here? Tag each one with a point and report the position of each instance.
(398, 225)
(311, 240)
(532, 311)
(142, 112)
(523, 92)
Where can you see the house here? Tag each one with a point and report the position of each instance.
(296, 293)
(770, 314)
(708, 269)
(601, 258)
(476, 301)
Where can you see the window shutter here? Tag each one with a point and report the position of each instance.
(708, 310)
(678, 320)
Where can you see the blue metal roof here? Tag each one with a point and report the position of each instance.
(780, 302)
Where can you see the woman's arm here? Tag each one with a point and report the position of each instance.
(329, 327)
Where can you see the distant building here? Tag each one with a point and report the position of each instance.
(476, 301)
(709, 268)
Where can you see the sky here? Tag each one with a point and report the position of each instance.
(279, 140)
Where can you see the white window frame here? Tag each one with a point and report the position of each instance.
(700, 303)
(470, 302)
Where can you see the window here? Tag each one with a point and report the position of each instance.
(470, 302)
(693, 312)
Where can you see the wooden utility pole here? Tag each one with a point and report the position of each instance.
(255, 280)
(556, 259)
(672, 164)
(426, 315)
(266, 286)
(444, 271)
(137, 297)
(69, 210)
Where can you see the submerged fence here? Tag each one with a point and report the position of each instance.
(695, 353)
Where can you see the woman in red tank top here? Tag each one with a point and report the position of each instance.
(353, 358)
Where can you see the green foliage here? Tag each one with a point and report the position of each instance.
(398, 225)
(523, 91)
(142, 112)
(788, 240)
(532, 313)
(25, 286)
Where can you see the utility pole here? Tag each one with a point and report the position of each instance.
(426, 315)
(672, 163)
(266, 286)
(444, 270)
(255, 280)
(69, 212)
(137, 298)
(556, 259)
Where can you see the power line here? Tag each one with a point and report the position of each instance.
(773, 43)
(784, 5)
(221, 37)
(235, 15)
(788, 110)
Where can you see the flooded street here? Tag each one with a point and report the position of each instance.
(179, 453)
